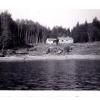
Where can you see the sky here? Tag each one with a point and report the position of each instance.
(51, 13)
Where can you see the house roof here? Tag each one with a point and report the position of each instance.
(60, 38)
(67, 38)
(51, 39)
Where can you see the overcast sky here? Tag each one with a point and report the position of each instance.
(49, 12)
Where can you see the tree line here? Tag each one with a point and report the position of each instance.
(22, 33)
(87, 32)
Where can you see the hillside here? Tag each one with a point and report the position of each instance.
(75, 48)
(60, 49)
(86, 48)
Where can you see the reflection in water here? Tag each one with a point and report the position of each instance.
(50, 75)
(64, 77)
(88, 77)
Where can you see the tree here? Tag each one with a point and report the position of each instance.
(59, 31)
(79, 33)
(96, 25)
(6, 33)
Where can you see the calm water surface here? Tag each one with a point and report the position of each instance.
(50, 75)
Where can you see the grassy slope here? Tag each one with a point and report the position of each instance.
(86, 48)
(77, 48)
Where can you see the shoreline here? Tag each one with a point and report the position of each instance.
(49, 57)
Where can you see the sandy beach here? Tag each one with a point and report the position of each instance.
(49, 57)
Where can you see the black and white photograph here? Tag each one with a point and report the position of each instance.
(46, 46)
(57, 50)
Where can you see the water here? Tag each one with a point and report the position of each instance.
(50, 75)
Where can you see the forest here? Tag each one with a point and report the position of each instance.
(23, 32)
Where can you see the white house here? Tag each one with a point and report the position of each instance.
(61, 40)
(51, 40)
(65, 39)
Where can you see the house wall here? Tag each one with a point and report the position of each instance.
(65, 41)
